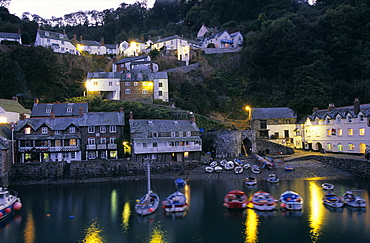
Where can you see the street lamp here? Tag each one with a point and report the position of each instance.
(249, 110)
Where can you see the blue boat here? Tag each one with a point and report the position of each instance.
(179, 182)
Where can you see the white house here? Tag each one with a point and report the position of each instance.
(91, 47)
(338, 129)
(129, 63)
(104, 84)
(16, 37)
(176, 44)
(222, 40)
(58, 42)
(10, 111)
(204, 31)
(132, 48)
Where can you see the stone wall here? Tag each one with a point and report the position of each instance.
(269, 147)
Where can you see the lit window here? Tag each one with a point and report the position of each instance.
(351, 146)
(44, 130)
(95, 83)
(186, 154)
(72, 129)
(91, 129)
(362, 131)
(145, 91)
(340, 147)
(73, 142)
(328, 132)
(57, 143)
(112, 129)
(127, 91)
(144, 84)
(113, 154)
(340, 132)
(329, 146)
(350, 132)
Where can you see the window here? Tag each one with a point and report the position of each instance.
(160, 93)
(57, 132)
(328, 132)
(57, 143)
(91, 141)
(351, 146)
(103, 140)
(102, 129)
(112, 140)
(361, 117)
(340, 147)
(95, 83)
(103, 154)
(144, 84)
(44, 130)
(160, 84)
(136, 83)
(145, 91)
(350, 132)
(91, 155)
(327, 120)
(73, 155)
(155, 144)
(48, 110)
(69, 109)
(329, 147)
(73, 142)
(339, 120)
(362, 131)
(263, 124)
(91, 129)
(181, 134)
(144, 145)
(110, 83)
(349, 118)
(72, 129)
(188, 133)
(127, 83)
(340, 132)
(173, 134)
(112, 129)
(113, 154)
(127, 91)
(155, 134)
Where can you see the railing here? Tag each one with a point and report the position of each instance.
(49, 149)
(169, 149)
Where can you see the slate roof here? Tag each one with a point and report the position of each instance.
(131, 59)
(140, 126)
(13, 106)
(272, 113)
(59, 109)
(172, 37)
(10, 35)
(102, 119)
(53, 35)
(59, 123)
(90, 43)
(342, 111)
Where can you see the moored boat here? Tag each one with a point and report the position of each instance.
(332, 200)
(9, 202)
(213, 164)
(148, 203)
(263, 201)
(235, 199)
(250, 181)
(353, 200)
(272, 178)
(176, 202)
(237, 162)
(327, 186)
(179, 182)
(291, 201)
(223, 162)
(246, 166)
(229, 165)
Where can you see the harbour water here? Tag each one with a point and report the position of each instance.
(105, 213)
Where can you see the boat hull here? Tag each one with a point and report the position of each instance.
(333, 201)
(291, 201)
(263, 201)
(9, 202)
(235, 199)
(176, 202)
(148, 204)
(353, 200)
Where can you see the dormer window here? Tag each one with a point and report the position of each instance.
(327, 120)
(27, 130)
(48, 110)
(69, 110)
(349, 118)
(339, 119)
(46, 33)
(361, 118)
(44, 130)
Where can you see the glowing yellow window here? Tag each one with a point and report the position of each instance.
(351, 146)
(340, 132)
(329, 147)
(340, 147)
(362, 131)
(27, 130)
(350, 132)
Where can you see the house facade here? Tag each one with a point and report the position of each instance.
(129, 63)
(13, 37)
(10, 111)
(58, 42)
(57, 109)
(104, 84)
(174, 45)
(91, 47)
(165, 140)
(338, 129)
(88, 136)
(131, 49)
(223, 40)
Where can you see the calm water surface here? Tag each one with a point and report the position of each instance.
(105, 213)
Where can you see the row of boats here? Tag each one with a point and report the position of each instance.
(348, 198)
(237, 166)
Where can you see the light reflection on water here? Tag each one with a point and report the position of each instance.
(96, 209)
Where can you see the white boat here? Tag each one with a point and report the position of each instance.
(246, 166)
(291, 201)
(327, 186)
(238, 169)
(223, 162)
(272, 178)
(332, 200)
(237, 162)
(176, 202)
(209, 169)
(235, 199)
(353, 200)
(213, 164)
(229, 165)
(148, 203)
(255, 169)
(9, 202)
(250, 181)
(218, 169)
(263, 201)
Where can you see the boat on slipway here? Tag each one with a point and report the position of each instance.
(327, 186)
(272, 178)
(250, 181)
(9, 202)
(176, 202)
(179, 182)
(235, 199)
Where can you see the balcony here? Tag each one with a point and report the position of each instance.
(90, 147)
(49, 149)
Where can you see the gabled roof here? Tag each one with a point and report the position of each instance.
(140, 126)
(131, 59)
(90, 43)
(10, 35)
(59, 109)
(102, 118)
(342, 111)
(13, 106)
(172, 37)
(52, 35)
(58, 123)
(272, 113)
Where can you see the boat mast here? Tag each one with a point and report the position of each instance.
(148, 177)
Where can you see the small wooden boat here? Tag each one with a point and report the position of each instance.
(265, 163)
(332, 200)
(235, 199)
(291, 201)
(223, 162)
(213, 164)
(9, 202)
(327, 186)
(289, 168)
(238, 169)
(176, 202)
(209, 169)
(237, 162)
(179, 182)
(255, 169)
(250, 181)
(353, 200)
(272, 178)
(218, 169)
(229, 165)
(263, 201)
(148, 203)
(246, 166)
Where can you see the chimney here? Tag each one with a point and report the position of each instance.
(22, 116)
(356, 106)
(36, 101)
(52, 115)
(102, 41)
(331, 107)
(192, 118)
(315, 109)
(80, 112)
(131, 115)
(15, 98)
(120, 109)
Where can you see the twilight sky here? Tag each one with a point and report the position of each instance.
(58, 8)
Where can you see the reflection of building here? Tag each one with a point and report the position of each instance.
(165, 140)
(338, 129)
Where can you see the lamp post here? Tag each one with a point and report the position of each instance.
(249, 110)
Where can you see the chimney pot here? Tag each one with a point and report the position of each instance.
(331, 107)
(356, 106)
(131, 115)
